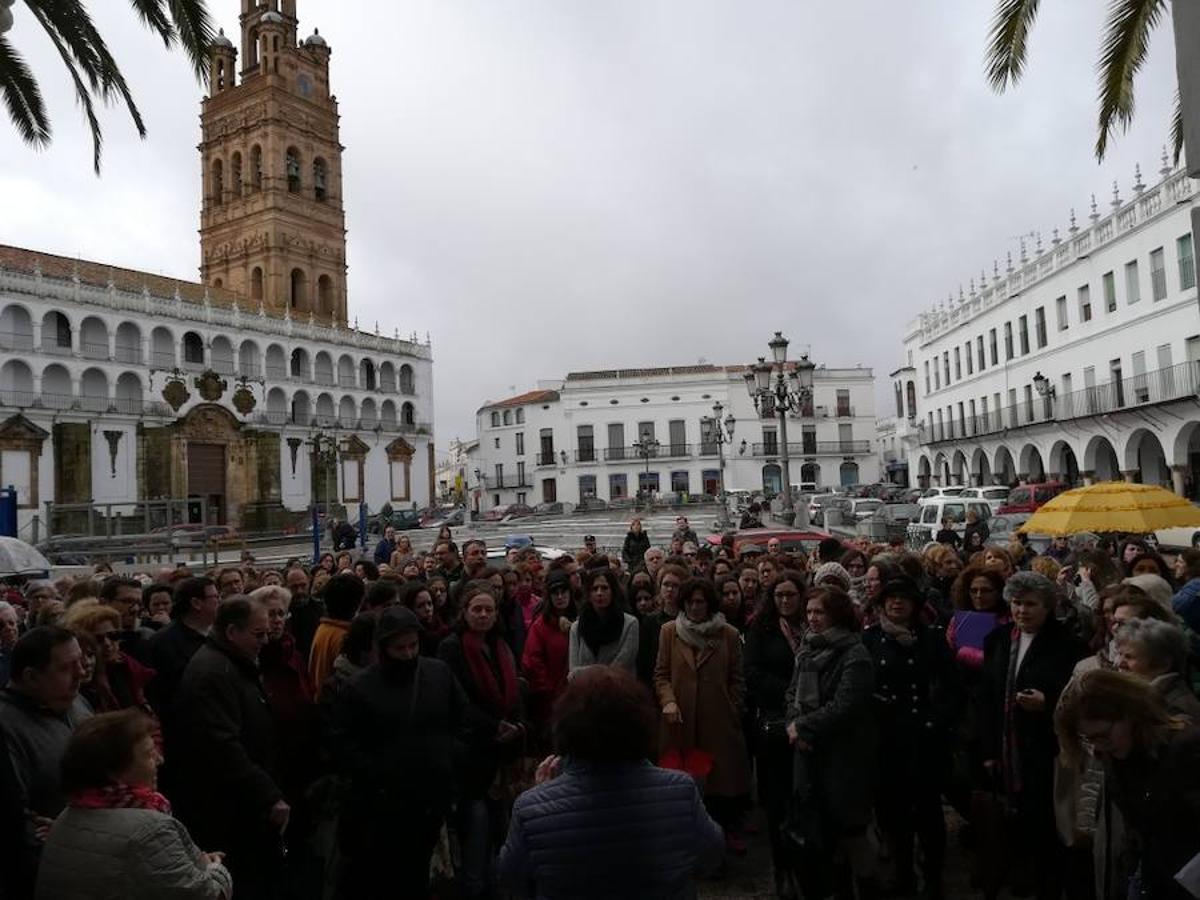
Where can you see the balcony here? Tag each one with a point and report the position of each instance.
(815, 448)
(547, 458)
(636, 454)
(16, 340)
(1179, 382)
(585, 455)
(492, 483)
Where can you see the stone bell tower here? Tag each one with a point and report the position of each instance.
(272, 226)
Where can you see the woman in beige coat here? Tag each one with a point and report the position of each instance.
(700, 686)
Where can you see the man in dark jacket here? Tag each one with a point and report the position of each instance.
(223, 739)
(397, 728)
(386, 546)
(39, 710)
(306, 611)
(193, 611)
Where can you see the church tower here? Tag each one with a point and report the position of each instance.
(272, 226)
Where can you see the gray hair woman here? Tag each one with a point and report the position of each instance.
(1025, 669)
(1157, 652)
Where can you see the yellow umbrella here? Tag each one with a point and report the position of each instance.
(1113, 506)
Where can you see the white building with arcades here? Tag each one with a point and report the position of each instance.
(1078, 361)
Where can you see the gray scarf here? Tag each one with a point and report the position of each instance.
(699, 635)
(816, 653)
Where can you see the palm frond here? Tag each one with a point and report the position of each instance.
(82, 92)
(195, 30)
(1122, 53)
(1008, 41)
(77, 35)
(1177, 128)
(185, 21)
(22, 97)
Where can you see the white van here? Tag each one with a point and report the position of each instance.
(993, 496)
(934, 509)
(935, 493)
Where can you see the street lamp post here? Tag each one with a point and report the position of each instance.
(646, 448)
(324, 453)
(791, 392)
(721, 433)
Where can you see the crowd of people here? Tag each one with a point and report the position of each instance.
(403, 724)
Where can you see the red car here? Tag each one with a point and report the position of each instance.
(1026, 498)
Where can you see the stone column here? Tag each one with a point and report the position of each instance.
(1130, 475)
(1088, 476)
(1178, 479)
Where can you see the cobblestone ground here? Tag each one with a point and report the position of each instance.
(750, 877)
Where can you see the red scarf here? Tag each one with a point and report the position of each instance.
(498, 694)
(118, 795)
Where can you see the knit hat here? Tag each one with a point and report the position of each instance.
(1154, 586)
(832, 572)
(395, 620)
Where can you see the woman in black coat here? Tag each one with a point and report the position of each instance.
(1025, 669)
(918, 697)
(637, 542)
(484, 665)
(770, 657)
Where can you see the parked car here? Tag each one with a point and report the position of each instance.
(436, 517)
(816, 506)
(1178, 538)
(1026, 498)
(789, 539)
(935, 509)
(401, 520)
(936, 493)
(556, 508)
(517, 511)
(995, 496)
(910, 495)
(588, 504)
(863, 507)
(889, 523)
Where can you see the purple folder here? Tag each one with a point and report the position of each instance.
(970, 627)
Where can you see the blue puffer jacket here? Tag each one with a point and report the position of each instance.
(1186, 604)
(626, 830)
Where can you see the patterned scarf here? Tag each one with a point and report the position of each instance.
(118, 795)
(496, 685)
(1010, 750)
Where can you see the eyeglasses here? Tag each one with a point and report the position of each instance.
(1099, 736)
(981, 590)
(278, 614)
(784, 595)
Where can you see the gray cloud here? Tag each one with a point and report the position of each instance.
(548, 186)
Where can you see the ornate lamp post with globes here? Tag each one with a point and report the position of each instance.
(647, 447)
(791, 392)
(720, 432)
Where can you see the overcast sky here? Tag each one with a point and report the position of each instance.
(547, 186)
